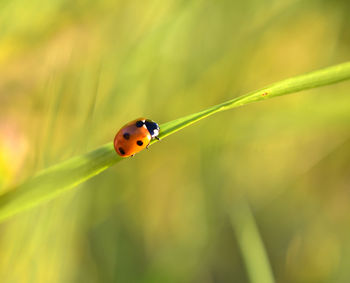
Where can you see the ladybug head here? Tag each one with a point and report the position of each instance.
(152, 127)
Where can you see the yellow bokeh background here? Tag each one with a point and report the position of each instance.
(73, 72)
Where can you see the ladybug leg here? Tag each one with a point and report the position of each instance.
(157, 138)
(132, 155)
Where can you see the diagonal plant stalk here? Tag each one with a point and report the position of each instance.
(68, 174)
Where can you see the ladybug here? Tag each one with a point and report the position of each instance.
(135, 136)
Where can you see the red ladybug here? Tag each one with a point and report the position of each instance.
(135, 136)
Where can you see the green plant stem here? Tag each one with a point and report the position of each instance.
(68, 174)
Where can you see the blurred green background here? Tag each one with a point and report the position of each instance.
(73, 72)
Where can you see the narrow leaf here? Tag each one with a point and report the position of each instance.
(68, 174)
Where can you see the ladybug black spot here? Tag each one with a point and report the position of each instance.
(121, 150)
(139, 143)
(126, 136)
(139, 124)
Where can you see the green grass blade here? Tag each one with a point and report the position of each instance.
(250, 243)
(318, 78)
(56, 179)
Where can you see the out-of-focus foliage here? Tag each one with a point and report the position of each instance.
(50, 182)
(73, 72)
